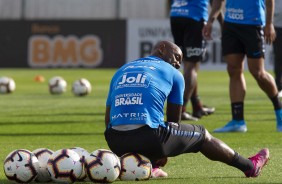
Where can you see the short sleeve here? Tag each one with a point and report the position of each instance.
(177, 90)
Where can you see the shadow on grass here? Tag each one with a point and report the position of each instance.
(51, 134)
(61, 114)
(48, 122)
(220, 180)
(3, 181)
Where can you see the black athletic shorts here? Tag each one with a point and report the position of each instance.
(187, 34)
(158, 143)
(243, 39)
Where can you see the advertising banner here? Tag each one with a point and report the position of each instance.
(93, 43)
(67, 43)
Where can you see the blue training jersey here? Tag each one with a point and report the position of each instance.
(250, 12)
(139, 89)
(194, 9)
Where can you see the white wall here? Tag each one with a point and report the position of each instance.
(70, 9)
(82, 9)
(143, 9)
(10, 9)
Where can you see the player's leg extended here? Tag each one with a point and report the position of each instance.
(181, 138)
(217, 150)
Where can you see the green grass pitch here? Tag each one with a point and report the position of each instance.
(31, 118)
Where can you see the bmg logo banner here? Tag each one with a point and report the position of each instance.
(65, 51)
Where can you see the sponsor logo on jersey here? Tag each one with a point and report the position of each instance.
(134, 79)
(235, 14)
(131, 66)
(151, 60)
(131, 116)
(178, 4)
(128, 99)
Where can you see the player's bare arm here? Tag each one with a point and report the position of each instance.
(173, 112)
(269, 31)
(217, 6)
(107, 115)
(220, 17)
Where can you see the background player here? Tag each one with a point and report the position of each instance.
(187, 18)
(245, 31)
(277, 45)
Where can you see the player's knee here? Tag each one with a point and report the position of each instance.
(208, 136)
(258, 75)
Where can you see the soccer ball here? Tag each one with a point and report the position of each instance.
(135, 166)
(82, 154)
(7, 85)
(81, 87)
(64, 166)
(43, 155)
(21, 166)
(57, 85)
(102, 166)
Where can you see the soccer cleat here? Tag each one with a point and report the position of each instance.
(278, 114)
(233, 126)
(204, 111)
(259, 160)
(158, 173)
(187, 116)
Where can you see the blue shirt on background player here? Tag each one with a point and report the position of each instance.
(251, 12)
(194, 9)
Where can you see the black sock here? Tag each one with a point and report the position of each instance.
(237, 110)
(196, 102)
(185, 101)
(277, 104)
(241, 163)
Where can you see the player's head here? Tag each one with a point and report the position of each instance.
(169, 52)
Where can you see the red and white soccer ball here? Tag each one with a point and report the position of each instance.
(7, 85)
(83, 154)
(57, 85)
(135, 167)
(43, 155)
(21, 166)
(81, 87)
(102, 166)
(64, 166)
